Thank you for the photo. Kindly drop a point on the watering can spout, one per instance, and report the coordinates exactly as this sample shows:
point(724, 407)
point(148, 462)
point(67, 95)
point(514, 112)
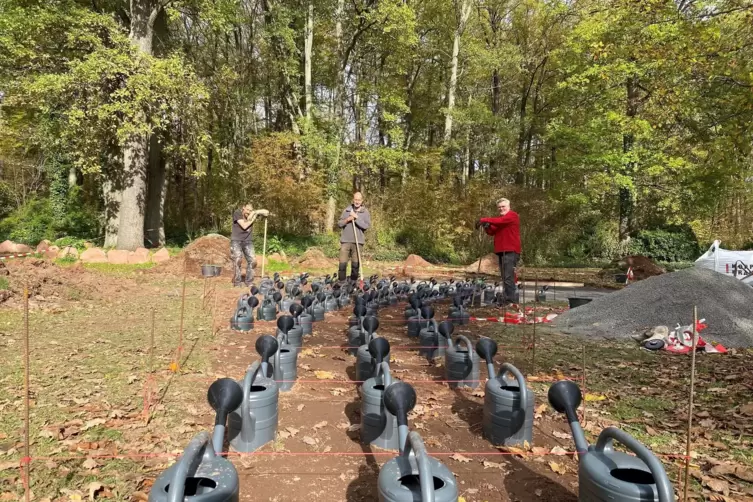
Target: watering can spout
point(565, 397)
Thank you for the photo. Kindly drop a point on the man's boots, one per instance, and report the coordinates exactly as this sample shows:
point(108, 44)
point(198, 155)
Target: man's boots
point(354, 267)
point(342, 267)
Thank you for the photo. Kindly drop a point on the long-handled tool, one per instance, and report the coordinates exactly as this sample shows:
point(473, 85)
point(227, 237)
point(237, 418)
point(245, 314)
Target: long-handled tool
point(358, 253)
point(264, 248)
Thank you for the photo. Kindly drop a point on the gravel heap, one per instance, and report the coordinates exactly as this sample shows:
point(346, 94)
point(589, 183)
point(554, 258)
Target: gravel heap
point(726, 304)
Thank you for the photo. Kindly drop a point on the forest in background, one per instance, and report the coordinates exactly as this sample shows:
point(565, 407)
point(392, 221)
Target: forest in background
point(614, 126)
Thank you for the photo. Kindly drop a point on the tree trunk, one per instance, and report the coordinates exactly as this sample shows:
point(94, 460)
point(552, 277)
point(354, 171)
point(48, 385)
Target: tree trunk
point(156, 193)
point(465, 10)
point(626, 198)
point(135, 152)
point(112, 197)
point(308, 52)
point(338, 105)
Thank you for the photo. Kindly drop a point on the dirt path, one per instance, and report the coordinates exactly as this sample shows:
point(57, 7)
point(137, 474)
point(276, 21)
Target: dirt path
point(318, 455)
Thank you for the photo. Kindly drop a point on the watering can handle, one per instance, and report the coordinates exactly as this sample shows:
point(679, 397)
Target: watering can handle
point(509, 368)
point(663, 485)
point(278, 368)
point(465, 340)
point(384, 369)
point(248, 381)
point(191, 453)
point(425, 474)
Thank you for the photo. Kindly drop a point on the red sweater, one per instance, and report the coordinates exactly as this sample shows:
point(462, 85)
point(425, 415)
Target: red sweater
point(506, 232)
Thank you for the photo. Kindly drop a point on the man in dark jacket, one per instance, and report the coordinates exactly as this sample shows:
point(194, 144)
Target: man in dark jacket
point(241, 243)
point(506, 231)
point(354, 213)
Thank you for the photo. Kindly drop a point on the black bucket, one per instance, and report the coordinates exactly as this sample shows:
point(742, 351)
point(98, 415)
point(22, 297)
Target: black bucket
point(620, 278)
point(577, 302)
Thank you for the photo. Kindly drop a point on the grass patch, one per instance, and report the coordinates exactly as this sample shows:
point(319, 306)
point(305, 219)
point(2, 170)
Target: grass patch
point(629, 408)
point(118, 270)
point(276, 266)
point(4, 283)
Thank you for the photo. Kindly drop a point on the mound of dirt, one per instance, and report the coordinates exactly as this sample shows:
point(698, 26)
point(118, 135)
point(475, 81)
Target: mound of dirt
point(489, 265)
point(415, 261)
point(314, 258)
point(212, 249)
point(666, 300)
point(50, 285)
point(642, 266)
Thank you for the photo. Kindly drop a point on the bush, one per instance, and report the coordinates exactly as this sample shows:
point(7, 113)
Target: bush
point(37, 220)
point(668, 244)
point(30, 223)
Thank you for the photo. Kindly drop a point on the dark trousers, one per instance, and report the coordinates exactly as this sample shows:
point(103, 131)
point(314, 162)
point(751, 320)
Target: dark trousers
point(348, 252)
point(508, 260)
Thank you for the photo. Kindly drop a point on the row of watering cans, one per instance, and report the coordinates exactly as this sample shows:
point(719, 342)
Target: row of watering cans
point(201, 474)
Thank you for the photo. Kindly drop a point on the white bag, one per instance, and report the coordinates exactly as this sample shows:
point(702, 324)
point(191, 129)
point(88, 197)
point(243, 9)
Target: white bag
point(738, 264)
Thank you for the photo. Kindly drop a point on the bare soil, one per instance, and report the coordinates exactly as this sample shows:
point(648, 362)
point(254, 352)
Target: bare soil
point(321, 411)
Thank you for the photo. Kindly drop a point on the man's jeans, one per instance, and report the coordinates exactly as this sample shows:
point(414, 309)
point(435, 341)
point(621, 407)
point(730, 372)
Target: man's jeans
point(508, 260)
point(348, 252)
point(239, 249)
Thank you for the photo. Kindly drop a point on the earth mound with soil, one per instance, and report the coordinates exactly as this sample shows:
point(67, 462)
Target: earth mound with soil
point(726, 304)
point(49, 284)
point(642, 266)
point(212, 249)
point(314, 258)
point(415, 261)
point(489, 265)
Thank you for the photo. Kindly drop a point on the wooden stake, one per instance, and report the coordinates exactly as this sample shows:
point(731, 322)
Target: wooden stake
point(151, 346)
point(690, 404)
point(264, 250)
point(182, 310)
point(214, 312)
point(533, 348)
point(585, 393)
point(27, 421)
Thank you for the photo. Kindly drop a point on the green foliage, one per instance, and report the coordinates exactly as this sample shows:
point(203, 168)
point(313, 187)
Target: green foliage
point(671, 244)
point(29, 224)
point(4, 285)
point(77, 243)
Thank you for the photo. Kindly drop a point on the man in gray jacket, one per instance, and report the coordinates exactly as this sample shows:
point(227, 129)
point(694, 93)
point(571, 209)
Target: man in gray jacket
point(359, 215)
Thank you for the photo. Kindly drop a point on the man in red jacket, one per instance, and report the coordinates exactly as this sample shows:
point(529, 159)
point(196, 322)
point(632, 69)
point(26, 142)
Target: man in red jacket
point(506, 231)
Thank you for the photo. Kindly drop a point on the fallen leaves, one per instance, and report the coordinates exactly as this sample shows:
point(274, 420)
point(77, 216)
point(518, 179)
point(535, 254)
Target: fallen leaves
point(747, 409)
point(558, 468)
point(90, 464)
point(594, 397)
point(320, 425)
point(460, 458)
point(309, 440)
point(324, 375)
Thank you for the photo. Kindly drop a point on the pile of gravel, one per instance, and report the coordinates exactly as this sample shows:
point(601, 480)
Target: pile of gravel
point(726, 304)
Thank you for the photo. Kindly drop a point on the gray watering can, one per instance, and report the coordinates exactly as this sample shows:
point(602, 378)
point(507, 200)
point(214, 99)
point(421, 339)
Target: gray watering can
point(419, 321)
point(307, 323)
point(365, 360)
point(243, 319)
point(413, 475)
point(268, 309)
point(200, 474)
point(254, 422)
point(458, 315)
point(293, 334)
point(414, 304)
point(356, 333)
point(461, 361)
point(378, 426)
point(428, 336)
point(508, 407)
point(286, 358)
point(317, 308)
point(605, 474)
point(302, 319)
